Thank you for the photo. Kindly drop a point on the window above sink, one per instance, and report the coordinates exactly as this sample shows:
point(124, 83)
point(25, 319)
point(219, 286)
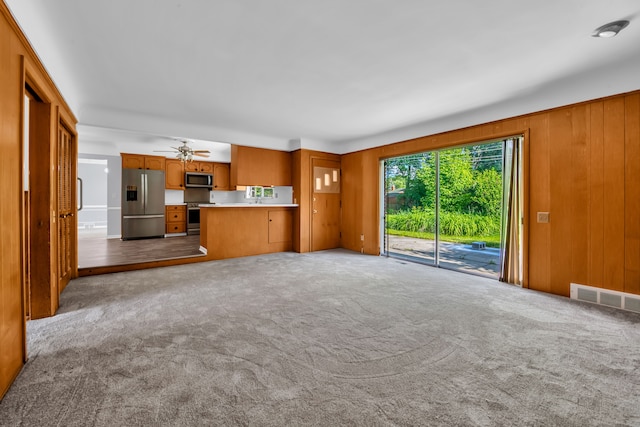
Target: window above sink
point(259, 192)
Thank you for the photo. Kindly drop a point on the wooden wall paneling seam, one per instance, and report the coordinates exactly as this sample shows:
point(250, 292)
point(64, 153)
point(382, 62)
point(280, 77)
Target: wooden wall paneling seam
point(579, 201)
point(632, 194)
point(352, 180)
point(539, 201)
point(561, 135)
point(596, 196)
point(614, 194)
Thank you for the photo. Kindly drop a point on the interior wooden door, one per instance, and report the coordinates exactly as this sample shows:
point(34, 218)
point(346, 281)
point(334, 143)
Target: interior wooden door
point(326, 205)
point(66, 208)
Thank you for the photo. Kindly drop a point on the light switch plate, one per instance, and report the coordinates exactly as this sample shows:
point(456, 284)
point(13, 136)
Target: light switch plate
point(543, 217)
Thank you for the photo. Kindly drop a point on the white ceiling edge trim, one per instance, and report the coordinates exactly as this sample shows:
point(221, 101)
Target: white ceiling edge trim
point(561, 93)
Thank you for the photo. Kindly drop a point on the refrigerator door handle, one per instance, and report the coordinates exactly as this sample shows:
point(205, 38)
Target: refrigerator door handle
point(80, 194)
point(142, 216)
point(144, 192)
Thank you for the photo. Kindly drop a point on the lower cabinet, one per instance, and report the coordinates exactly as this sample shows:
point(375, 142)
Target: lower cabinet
point(280, 226)
point(176, 219)
point(230, 232)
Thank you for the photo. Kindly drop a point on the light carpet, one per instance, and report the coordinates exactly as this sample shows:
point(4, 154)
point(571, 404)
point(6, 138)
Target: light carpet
point(327, 338)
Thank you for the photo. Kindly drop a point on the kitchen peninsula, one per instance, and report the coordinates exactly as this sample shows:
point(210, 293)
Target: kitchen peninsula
point(232, 230)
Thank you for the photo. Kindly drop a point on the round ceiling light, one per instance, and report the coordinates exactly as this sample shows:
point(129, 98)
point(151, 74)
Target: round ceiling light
point(610, 29)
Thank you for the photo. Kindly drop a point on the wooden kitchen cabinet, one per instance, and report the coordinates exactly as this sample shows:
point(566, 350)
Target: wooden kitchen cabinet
point(259, 166)
point(174, 174)
point(280, 226)
point(221, 176)
point(176, 219)
point(196, 166)
point(228, 231)
point(141, 161)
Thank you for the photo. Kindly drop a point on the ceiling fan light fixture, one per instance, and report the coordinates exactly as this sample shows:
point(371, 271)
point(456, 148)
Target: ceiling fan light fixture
point(184, 153)
point(610, 30)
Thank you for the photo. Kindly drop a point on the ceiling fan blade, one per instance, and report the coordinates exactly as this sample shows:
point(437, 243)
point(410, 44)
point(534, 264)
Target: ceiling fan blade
point(200, 154)
point(163, 151)
point(201, 151)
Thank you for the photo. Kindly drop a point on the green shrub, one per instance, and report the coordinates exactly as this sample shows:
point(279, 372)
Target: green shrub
point(451, 223)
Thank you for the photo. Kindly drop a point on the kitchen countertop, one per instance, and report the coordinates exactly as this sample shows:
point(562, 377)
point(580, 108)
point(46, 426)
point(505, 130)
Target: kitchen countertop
point(248, 205)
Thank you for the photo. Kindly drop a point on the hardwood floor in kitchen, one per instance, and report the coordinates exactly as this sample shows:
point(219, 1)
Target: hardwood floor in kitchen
point(102, 252)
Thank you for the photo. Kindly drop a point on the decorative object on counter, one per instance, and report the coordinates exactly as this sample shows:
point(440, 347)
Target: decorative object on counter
point(185, 152)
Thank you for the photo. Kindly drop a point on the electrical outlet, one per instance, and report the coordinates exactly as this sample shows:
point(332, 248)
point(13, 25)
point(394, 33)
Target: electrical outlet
point(362, 237)
point(543, 217)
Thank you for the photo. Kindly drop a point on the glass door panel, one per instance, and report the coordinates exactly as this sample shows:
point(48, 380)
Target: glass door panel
point(470, 195)
point(410, 215)
point(445, 207)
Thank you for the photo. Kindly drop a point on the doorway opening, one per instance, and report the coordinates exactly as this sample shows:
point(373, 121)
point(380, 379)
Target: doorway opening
point(92, 205)
point(457, 208)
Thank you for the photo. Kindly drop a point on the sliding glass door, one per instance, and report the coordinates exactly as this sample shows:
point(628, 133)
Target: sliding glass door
point(450, 208)
point(410, 215)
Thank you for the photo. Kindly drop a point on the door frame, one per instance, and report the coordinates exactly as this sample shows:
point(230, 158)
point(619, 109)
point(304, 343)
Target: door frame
point(324, 162)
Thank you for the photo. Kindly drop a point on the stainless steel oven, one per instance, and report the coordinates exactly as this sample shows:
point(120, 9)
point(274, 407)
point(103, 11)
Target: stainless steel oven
point(193, 218)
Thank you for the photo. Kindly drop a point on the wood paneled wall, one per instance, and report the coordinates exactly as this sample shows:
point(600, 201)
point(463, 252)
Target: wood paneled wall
point(584, 169)
point(18, 65)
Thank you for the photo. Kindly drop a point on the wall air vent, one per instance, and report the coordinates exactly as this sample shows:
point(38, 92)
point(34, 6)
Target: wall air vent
point(609, 298)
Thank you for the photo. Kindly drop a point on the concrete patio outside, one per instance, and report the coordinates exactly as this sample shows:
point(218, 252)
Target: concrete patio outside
point(456, 256)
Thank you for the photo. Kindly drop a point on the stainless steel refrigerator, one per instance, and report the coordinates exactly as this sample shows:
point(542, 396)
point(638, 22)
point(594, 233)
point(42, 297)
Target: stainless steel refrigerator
point(142, 203)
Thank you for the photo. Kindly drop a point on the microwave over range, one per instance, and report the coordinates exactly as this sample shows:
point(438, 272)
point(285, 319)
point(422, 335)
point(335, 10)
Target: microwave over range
point(198, 180)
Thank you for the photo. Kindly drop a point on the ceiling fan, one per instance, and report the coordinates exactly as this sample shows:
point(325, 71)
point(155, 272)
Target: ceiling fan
point(186, 153)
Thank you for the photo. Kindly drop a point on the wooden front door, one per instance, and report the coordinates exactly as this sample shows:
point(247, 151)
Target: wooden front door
point(66, 208)
point(326, 205)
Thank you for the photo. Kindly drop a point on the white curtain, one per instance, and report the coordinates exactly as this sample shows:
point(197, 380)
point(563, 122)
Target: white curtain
point(511, 259)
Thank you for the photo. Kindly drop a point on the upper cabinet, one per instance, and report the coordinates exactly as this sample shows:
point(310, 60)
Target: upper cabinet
point(259, 166)
point(175, 169)
point(140, 161)
point(221, 176)
point(196, 166)
point(174, 174)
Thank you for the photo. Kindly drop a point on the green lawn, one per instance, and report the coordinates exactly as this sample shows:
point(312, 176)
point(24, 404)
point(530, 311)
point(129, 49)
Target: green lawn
point(491, 241)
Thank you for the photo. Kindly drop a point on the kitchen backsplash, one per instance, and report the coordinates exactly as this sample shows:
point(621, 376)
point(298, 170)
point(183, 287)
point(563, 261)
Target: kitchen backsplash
point(283, 194)
point(173, 197)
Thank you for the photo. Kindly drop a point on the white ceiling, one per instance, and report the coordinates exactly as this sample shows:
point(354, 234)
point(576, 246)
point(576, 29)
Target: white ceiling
point(335, 75)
